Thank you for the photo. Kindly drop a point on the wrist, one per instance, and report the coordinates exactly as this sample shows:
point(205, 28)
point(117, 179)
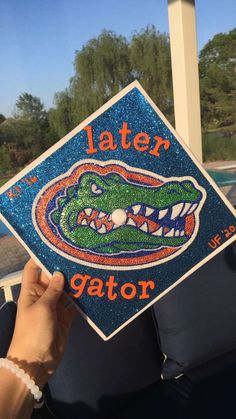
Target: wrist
point(34, 368)
point(23, 377)
point(15, 397)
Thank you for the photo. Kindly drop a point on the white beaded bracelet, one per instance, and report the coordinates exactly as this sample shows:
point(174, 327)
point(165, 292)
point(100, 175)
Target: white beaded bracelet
point(24, 377)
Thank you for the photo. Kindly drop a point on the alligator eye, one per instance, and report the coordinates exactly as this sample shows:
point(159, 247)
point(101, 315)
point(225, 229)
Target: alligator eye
point(96, 189)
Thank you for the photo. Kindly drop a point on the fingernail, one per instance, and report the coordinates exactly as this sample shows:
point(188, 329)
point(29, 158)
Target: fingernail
point(57, 275)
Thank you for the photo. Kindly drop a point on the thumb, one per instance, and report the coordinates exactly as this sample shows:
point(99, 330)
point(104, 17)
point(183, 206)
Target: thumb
point(54, 289)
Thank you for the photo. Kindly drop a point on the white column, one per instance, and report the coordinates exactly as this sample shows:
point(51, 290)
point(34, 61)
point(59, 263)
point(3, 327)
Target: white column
point(8, 293)
point(184, 59)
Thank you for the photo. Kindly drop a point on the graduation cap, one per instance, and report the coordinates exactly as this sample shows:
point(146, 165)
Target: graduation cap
point(122, 208)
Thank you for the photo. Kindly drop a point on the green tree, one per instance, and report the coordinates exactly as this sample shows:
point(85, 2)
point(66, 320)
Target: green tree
point(14, 131)
point(31, 112)
point(5, 160)
point(151, 65)
point(107, 64)
point(61, 117)
point(30, 107)
point(217, 68)
point(2, 118)
point(16, 141)
point(102, 68)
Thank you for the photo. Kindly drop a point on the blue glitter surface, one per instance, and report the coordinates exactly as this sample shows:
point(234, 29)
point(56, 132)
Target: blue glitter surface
point(214, 216)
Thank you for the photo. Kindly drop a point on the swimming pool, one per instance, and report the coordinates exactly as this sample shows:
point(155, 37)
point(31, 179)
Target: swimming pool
point(222, 178)
point(4, 229)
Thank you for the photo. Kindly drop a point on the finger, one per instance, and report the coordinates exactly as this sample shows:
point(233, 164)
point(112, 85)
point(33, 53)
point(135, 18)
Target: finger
point(66, 316)
point(69, 305)
point(67, 311)
point(44, 280)
point(54, 289)
point(30, 275)
point(63, 300)
point(73, 312)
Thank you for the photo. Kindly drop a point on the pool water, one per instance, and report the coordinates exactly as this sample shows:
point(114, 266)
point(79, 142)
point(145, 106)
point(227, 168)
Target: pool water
point(222, 178)
point(4, 229)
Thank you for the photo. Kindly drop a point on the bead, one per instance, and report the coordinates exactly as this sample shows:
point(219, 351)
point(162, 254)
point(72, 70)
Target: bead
point(23, 376)
point(39, 395)
point(27, 381)
point(119, 216)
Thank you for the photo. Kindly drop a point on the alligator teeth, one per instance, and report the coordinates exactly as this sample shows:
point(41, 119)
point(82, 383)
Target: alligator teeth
point(84, 222)
point(162, 213)
point(109, 218)
point(144, 227)
point(136, 209)
point(158, 232)
point(176, 210)
point(102, 229)
point(131, 222)
point(88, 211)
point(177, 233)
point(170, 233)
point(185, 209)
point(182, 233)
point(149, 211)
point(101, 214)
point(192, 209)
point(92, 225)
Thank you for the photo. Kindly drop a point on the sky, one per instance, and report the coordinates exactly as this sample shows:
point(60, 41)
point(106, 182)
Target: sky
point(38, 38)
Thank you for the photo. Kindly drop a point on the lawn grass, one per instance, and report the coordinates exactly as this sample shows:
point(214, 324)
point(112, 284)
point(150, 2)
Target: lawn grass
point(218, 147)
point(5, 179)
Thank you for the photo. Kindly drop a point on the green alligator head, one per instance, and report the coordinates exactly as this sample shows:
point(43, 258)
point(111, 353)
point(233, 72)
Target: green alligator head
point(156, 216)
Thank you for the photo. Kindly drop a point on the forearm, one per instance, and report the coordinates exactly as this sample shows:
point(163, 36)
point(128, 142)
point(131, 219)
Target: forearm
point(16, 401)
point(41, 332)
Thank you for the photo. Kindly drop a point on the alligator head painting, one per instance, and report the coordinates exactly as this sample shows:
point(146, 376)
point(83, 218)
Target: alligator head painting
point(73, 213)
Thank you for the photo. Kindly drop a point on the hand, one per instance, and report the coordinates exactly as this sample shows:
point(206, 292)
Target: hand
point(44, 317)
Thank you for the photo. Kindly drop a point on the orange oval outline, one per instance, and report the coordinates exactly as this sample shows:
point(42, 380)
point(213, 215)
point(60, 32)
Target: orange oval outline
point(43, 201)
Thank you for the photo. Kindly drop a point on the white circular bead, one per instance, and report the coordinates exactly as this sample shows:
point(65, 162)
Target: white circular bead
point(39, 395)
point(23, 376)
point(119, 216)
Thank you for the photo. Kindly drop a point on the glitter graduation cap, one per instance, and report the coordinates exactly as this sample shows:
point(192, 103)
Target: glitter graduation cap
point(122, 208)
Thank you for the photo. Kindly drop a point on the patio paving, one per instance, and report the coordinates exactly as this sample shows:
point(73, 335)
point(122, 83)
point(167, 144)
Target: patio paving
point(231, 195)
point(12, 255)
point(219, 163)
